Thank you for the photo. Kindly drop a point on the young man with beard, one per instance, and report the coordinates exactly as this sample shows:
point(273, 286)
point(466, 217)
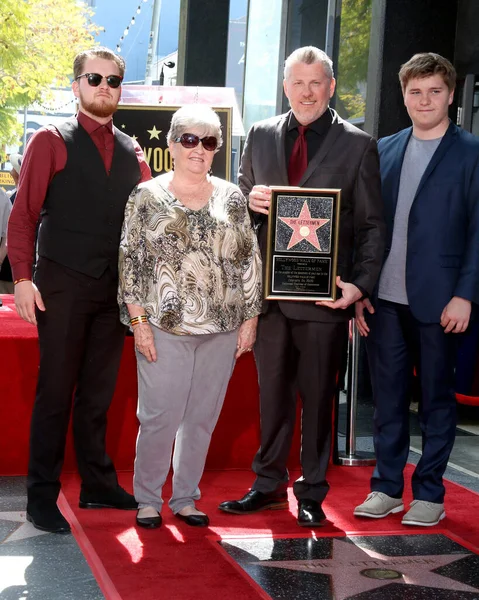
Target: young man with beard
point(75, 180)
point(428, 284)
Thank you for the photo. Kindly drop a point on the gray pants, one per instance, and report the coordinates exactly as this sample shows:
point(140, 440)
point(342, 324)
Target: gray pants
point(179, 400)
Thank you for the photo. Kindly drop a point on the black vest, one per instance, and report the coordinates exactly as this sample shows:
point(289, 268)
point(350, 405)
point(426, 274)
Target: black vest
point(82, 215)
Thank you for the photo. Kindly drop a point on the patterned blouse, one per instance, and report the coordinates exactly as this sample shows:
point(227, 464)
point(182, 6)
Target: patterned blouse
point(193, 271)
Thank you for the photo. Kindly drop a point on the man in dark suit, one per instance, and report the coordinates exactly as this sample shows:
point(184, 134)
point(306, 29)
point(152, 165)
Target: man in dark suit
point(76, 177)
point(299, 344)
point(430, 278)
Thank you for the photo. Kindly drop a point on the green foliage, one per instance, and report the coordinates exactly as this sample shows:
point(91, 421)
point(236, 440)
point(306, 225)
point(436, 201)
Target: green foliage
point(353, 56)
point(38, 41)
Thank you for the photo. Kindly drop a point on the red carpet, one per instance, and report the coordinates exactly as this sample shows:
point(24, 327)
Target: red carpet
point(181, 562)
point(234, 442)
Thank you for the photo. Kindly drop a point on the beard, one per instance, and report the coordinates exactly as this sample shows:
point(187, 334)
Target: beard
point(100, 107)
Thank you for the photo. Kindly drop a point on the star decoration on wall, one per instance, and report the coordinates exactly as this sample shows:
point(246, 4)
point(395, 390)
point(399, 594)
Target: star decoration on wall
point(154, 133)
point(304, 227)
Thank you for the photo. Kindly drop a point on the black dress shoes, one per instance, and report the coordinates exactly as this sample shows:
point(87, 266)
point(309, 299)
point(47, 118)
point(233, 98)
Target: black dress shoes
point(310, 513)
point(194, 520)
point(46, 516)
point(108, 498)
point(149, 522)
point(255, 501)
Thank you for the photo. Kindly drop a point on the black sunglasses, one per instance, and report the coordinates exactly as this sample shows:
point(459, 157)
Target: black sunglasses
point(94, 79)
point(190, 140)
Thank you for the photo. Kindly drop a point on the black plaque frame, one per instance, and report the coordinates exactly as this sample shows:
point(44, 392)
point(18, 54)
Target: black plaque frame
point(302, 252)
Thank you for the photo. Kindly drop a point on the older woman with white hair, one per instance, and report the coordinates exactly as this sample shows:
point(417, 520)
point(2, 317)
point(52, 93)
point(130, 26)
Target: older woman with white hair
point(190, 288)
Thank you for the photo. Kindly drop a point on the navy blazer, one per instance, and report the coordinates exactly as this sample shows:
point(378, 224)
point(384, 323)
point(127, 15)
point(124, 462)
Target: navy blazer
point(442, 257)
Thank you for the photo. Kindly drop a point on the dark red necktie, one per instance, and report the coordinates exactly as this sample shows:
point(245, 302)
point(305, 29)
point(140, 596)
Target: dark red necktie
point(299, 157)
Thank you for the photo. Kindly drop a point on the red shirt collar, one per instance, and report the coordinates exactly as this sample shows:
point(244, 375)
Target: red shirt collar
point(90, 125)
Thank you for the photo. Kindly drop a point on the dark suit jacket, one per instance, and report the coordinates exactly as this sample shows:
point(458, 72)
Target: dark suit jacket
point(347, 159)
point(442, 258)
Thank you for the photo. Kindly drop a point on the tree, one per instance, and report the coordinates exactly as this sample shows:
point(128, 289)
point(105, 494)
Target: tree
point(38, 41)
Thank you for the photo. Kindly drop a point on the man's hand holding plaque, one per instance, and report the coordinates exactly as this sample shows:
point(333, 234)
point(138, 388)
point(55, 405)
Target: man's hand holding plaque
point(259, 199)
point(350, 295)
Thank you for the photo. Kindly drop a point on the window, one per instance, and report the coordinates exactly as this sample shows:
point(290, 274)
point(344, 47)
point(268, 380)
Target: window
point(352, 67)
point(262, 60)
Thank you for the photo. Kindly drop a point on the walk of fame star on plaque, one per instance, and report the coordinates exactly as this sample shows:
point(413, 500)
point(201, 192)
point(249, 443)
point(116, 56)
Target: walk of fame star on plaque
point(385, 567)
point(304, 228)
point(302, 244)
point(304, 224)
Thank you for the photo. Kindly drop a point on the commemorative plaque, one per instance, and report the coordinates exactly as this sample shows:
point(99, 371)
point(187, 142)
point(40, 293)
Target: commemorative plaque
point(302, 250)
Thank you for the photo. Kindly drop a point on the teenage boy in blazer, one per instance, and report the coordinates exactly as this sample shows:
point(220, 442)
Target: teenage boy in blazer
point(428, 284)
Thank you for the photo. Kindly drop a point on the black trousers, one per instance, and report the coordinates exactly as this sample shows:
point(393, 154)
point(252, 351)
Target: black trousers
point(81, 342)
point(296, 356)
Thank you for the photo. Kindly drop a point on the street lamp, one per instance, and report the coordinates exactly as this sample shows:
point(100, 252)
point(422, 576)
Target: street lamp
point(170, 64)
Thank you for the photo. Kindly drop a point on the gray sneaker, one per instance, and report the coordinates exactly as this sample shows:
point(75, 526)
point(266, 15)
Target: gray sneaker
point(424, 513)
point(378, 505)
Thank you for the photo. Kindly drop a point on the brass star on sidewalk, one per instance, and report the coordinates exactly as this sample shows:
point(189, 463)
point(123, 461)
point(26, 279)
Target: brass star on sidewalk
point(154, 133)
point(355, 569)
point(24, 529)
point(304, 227)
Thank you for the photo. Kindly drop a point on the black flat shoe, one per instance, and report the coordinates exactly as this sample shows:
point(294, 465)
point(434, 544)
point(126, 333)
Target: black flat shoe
point(194, 520)
point(148, 522)
point(115, 498)
point(310, 514)
point(255, 501)
point(47, 517)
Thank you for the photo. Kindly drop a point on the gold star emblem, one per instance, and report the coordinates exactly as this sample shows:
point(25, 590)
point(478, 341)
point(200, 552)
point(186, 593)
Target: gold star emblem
point(133, 137)
point(154, 133)
point(123, 126)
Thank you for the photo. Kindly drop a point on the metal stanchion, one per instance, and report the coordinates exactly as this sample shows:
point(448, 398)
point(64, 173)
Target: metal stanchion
point(353, 457)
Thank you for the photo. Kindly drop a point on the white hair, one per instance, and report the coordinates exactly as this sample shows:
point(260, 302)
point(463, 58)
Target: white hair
point(309, 55)
point(195, 116)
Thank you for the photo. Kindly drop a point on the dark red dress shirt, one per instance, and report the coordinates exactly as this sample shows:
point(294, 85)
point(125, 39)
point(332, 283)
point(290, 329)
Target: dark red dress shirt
point(44, 157)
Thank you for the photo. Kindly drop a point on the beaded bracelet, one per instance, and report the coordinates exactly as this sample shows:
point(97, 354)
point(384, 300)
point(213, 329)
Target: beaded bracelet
point(137, 320)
